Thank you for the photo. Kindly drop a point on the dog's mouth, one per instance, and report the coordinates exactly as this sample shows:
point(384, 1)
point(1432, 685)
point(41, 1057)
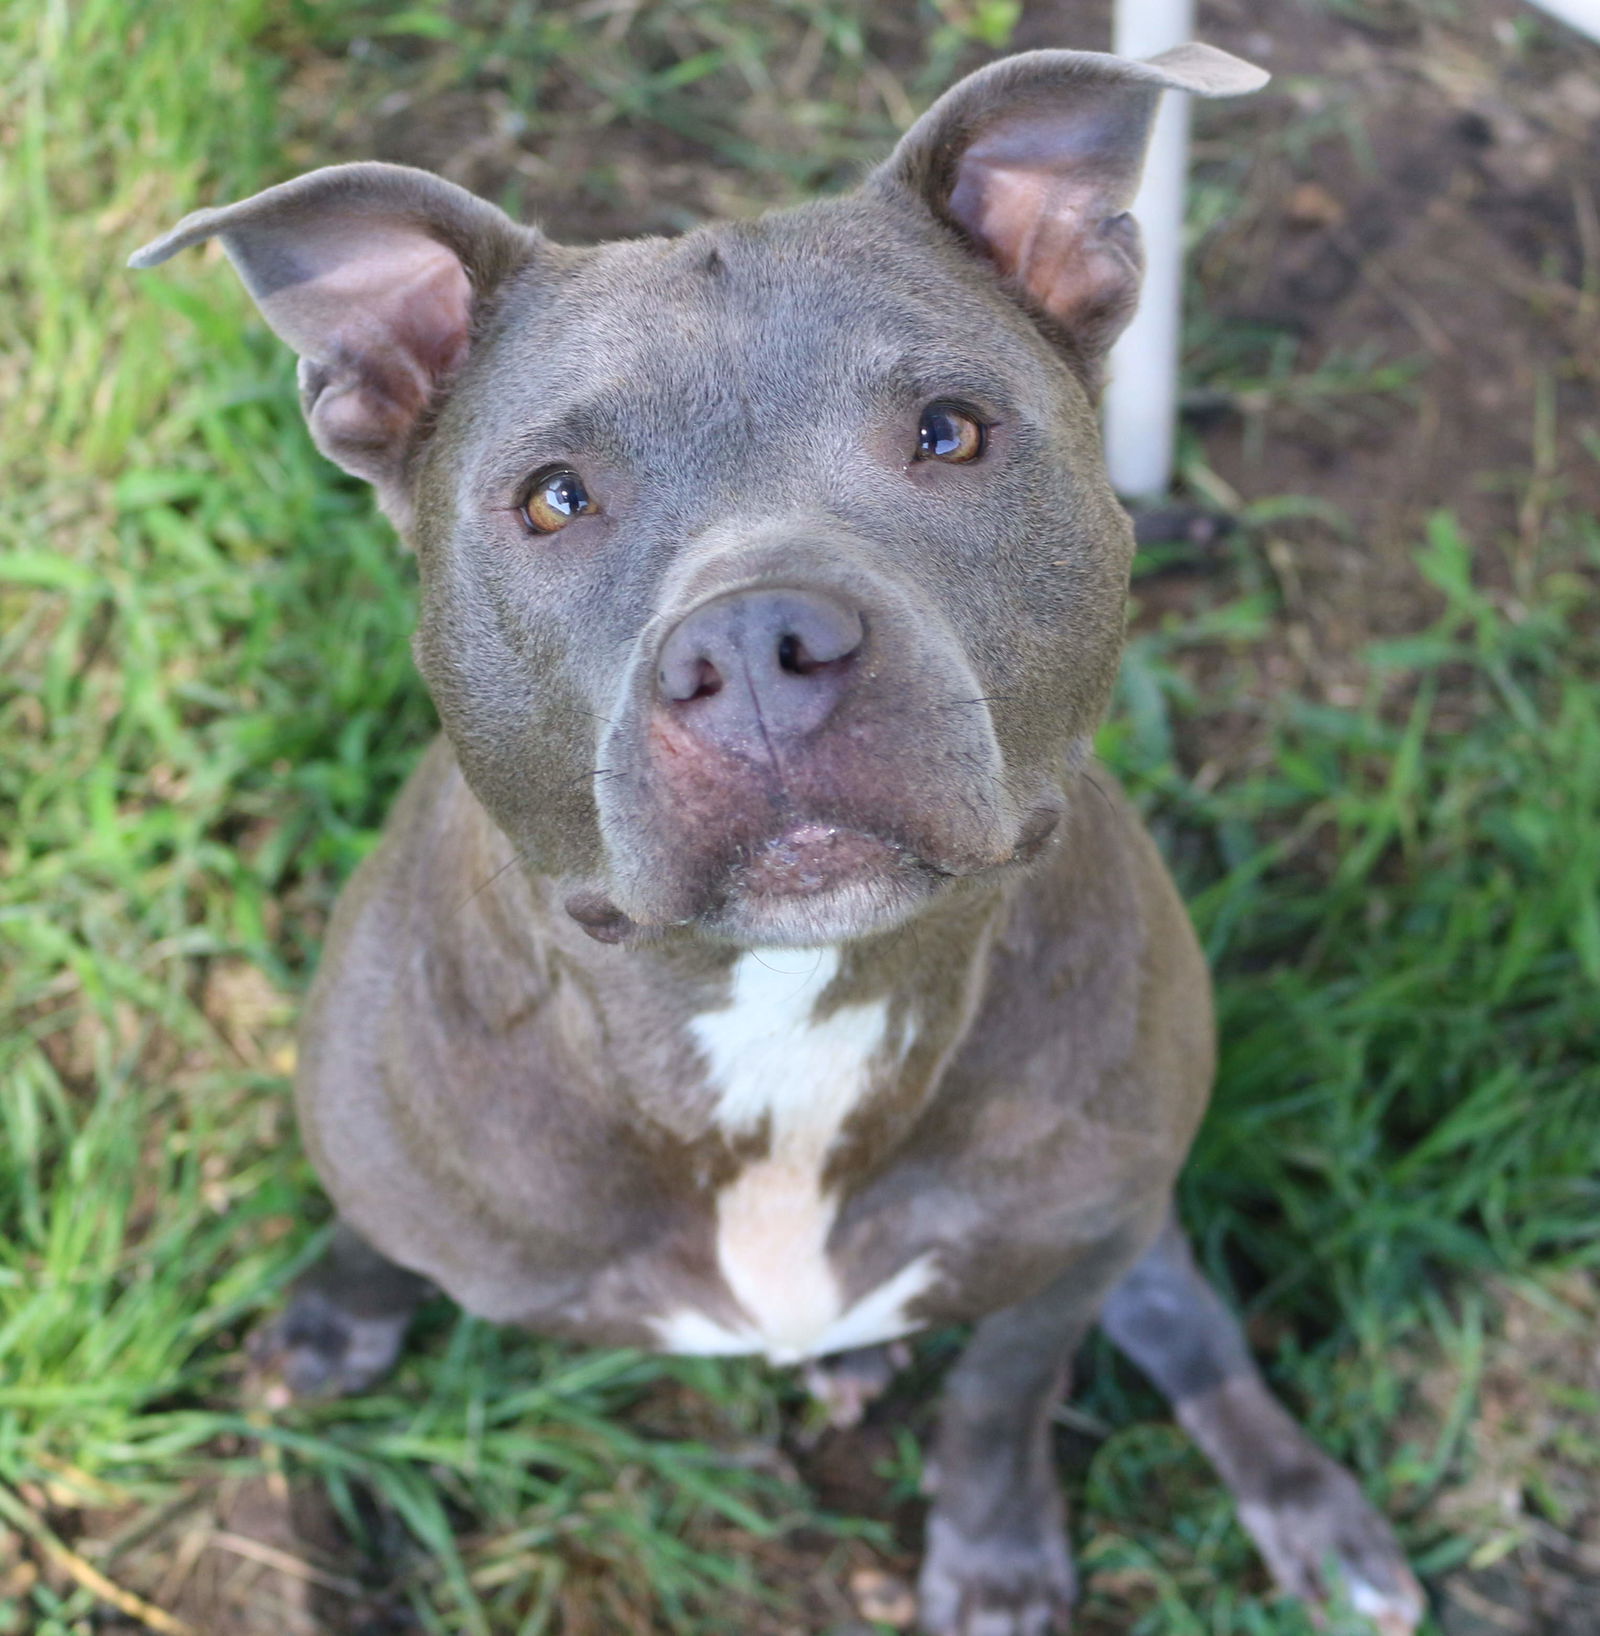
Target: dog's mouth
point(811, 857)
point(817, 882)
point(814, 882)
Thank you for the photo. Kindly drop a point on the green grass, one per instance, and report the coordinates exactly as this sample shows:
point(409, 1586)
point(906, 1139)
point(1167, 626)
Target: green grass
point(208, 703)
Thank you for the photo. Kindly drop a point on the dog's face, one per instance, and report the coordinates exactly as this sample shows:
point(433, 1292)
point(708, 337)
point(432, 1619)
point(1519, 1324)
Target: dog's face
point(771, 581)
point(776, 565)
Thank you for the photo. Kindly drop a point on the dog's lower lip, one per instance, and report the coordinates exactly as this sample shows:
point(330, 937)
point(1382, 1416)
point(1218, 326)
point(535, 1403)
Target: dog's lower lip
point(811, 857)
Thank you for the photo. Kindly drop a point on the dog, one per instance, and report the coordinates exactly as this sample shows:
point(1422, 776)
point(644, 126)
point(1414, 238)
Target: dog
point(753, 965)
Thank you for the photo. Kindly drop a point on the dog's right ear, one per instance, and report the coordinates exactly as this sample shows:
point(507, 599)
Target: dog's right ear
point(371, 273)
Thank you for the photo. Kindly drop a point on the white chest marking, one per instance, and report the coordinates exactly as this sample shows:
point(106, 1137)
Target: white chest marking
point(770, 1061)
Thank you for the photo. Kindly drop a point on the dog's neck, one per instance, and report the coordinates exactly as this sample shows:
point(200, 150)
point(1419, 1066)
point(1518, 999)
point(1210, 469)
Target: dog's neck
point(715, 1041)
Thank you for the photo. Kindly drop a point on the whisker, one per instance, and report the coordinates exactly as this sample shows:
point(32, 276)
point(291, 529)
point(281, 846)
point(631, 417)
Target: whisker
point(1094, 784)
point(483, 886)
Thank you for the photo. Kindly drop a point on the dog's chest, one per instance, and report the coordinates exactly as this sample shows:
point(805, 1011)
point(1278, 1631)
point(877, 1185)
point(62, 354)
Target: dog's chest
point(780, 1063)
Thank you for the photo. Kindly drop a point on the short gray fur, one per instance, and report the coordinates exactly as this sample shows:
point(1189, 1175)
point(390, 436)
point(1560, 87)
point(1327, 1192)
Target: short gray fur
point(500, 1082)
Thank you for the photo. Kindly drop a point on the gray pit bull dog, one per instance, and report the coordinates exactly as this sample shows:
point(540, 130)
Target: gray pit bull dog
point(753, 966)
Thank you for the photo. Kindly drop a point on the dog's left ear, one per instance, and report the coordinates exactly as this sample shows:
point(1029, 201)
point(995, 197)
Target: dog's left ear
point(1035, 160)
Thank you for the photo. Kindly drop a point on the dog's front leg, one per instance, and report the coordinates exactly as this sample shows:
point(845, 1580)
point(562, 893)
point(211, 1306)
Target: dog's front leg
point(997, 1561)
point(1305, 1512)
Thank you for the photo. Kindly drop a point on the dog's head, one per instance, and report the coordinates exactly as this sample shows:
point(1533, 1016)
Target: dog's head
point(771, 581)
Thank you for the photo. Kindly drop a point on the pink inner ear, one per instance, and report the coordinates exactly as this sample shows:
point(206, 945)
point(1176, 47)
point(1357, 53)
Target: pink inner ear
point(396, 314)
point(380, 316)
point(1045, 198)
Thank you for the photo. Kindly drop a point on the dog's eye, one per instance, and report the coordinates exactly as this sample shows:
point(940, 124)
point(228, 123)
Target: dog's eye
point(948, 433)
point(558, 498)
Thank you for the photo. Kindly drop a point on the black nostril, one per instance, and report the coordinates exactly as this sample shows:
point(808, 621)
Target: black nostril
point(707, 680)
point(796, 659)
point(685, 675)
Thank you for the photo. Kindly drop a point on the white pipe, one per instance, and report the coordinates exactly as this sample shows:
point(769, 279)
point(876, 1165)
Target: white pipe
point(1141, 401)
point(1583, 15)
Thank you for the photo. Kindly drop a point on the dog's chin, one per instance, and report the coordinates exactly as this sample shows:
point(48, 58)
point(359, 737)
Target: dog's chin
point(833, 914)
point(820, 883)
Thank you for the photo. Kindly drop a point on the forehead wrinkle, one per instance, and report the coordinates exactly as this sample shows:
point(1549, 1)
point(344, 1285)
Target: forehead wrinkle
point(583, 426)
point(625, 420)
point(919, 378)
point(812, 339)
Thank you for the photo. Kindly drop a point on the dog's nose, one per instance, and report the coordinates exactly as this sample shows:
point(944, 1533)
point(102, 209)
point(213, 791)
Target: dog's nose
point(759, 666)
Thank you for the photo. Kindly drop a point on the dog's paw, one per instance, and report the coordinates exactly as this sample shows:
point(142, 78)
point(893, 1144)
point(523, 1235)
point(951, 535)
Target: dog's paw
point(847, 1383)
point(315, 1349)
point(1322, 1540)
point(1001, 1585)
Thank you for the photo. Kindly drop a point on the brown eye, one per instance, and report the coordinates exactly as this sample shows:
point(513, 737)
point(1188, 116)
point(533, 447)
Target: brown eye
point(948, 433)
point(558, 498)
